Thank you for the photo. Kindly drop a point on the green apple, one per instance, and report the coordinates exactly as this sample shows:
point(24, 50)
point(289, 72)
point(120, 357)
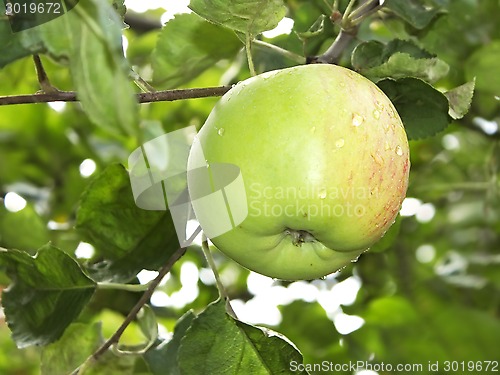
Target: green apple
point(324, 160)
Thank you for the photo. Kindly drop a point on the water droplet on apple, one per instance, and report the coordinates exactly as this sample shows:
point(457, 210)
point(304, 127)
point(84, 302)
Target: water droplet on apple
point(313, 129)
point(378, 158)
point(387, 146)
point(399, 150)
point(322, 193)
point(376, 114)
point(357, 120)
point(340, 143)
point(379, 105)
point(221, 131)
point(386, 127)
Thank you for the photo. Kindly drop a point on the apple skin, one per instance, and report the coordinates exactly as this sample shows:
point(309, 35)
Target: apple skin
point(325, 163)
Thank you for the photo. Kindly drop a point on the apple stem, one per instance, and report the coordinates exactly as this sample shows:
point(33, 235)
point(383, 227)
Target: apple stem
point(222, 290)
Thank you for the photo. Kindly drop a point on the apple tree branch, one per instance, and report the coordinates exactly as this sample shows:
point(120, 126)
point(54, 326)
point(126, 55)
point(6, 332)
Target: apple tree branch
point(145, 97)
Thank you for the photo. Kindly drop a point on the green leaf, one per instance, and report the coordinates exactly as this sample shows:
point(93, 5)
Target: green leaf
point(413, 11)
point(460, 99)
point(147, 322)
point(111, 364)
point(276, 352)
point(23, 230)
point(120, 8)
point(60, 49)
point(423, 109)
point(14, 361)
point(226, 346)
point(14, 46)
point(72, 349)
point(316, 29)
point(129, 237)
point(25, 16)
point(373, 53)
point(397, 59)
point(163, 358)
point(368, 55)
point(246, 16)
point(99, 70)
point(402, 65)
point(77, 344)
point(48, 292)
point(405, 46)
point(483, 66)
point(187, 46)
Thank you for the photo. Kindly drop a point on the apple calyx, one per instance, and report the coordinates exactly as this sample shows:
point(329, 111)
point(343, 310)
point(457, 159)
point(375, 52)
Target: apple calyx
point(300, 236)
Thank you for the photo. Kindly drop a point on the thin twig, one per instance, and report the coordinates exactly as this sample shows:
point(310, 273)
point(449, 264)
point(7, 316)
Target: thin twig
point(288, 54)
point(162, 272)
point(347, 33)
point(141, 82)
point(146, 97)
point(333, 53)
point(180, 94)
point(43, 79)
